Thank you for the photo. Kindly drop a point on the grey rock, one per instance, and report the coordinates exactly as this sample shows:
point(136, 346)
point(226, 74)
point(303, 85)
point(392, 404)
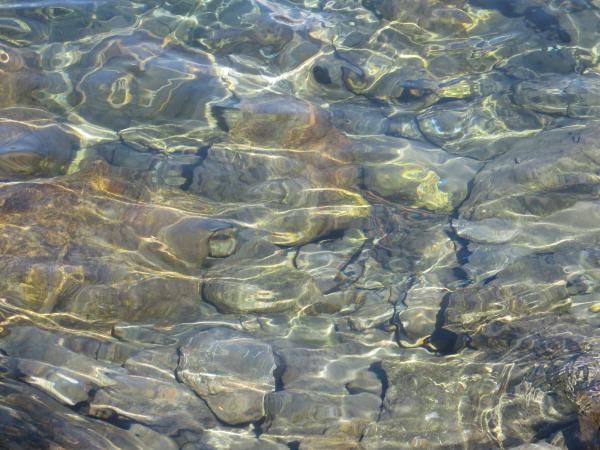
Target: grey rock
point(304, 413)
point(259, 288)
point(434, 403)
point(312, 331)
point(64, 374)
point(112, 96)
point(232, 375)
point(576, 96)
point(159, 363)
point(482, 129)
point(165, 406)
point(417, 174)
point(326, 261)
point(536, 446)
point(33, 145)
point(31, 419)
point(224, 439)
point(193, 239)
point(534, 176)
point(328, 371)
point(372, 309)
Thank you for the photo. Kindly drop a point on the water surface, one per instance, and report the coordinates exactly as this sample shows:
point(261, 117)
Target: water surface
point(259, 224)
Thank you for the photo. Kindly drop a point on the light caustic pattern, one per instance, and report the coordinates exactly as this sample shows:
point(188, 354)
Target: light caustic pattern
point(273, 224)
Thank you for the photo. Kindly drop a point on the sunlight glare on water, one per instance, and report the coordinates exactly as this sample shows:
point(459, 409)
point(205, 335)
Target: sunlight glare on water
point(300, 224)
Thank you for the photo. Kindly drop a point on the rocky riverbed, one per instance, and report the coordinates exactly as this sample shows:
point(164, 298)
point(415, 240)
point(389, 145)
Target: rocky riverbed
point(297, 224)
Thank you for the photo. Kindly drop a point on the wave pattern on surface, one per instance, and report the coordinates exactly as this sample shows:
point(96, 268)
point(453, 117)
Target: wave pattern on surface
point(260, 224)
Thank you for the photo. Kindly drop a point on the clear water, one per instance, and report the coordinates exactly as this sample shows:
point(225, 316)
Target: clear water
point(258, 224)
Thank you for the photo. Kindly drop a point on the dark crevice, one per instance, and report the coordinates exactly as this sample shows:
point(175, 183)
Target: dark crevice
point(278, 372)
point(332, 290)
point(108, 415)
point(81, 407)
point(176, 371)
point(362, 436)
point(219, 113)
point(488, 280)
point(446, 100)
point(257, 427)
point(546, 430)
point(295, 257)
point(395, 319)
point(187, 171)
point(203, 296)
point(570, 432)
point(462, 248)
point(118, 421)
point(377, 369)
point(445, 342)
point(462, 256)
point(331, 236)
point(294, 445)
point(360, 179)
point(462, 253)
point(353, 258)
point(321, 75)
point(440, 319)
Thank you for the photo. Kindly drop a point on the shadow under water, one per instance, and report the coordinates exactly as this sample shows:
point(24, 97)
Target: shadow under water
point(296, 224)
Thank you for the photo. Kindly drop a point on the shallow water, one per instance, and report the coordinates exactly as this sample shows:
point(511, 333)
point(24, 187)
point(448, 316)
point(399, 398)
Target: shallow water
point(257, 224)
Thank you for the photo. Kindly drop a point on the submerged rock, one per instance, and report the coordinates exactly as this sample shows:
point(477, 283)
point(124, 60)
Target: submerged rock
point(559, 357)
point(418, 412)
point(328, 369)
point(159, 363)
point(295, 201)
point(535, 283)
point(27, 24)
point(21, 78)
point(576, 96)
point(523, 317)
point(287, 123)
point(536, 14)
point(482, 129)
point(417, 174)
point(327, 262)
point(162, 405)
point(537, 176)
point(129, 79)
point(271, 176)
point(265, 287)
point(300, 414)
point(31, 419)
point(521, 204)
point(232, 375)
point(33, 145)
point(485, 408)
point(66, 262)
point(226, 439)
point(42, 361)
